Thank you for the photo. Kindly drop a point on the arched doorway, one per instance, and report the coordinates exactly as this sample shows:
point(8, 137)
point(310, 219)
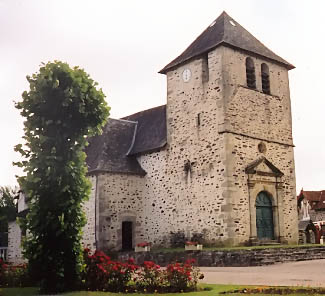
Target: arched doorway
point(127, 231)
point(264, 216)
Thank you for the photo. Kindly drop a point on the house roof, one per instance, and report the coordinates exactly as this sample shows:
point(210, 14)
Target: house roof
point(115, 149)
point(225, 31)
point(315, 198)
point(107, 152)
point(151, 130)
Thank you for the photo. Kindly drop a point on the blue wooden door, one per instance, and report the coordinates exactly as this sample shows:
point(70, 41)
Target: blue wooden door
point(264, 216)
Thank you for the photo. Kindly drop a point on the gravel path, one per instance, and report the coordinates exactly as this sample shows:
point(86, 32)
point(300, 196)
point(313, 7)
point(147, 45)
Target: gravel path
point(302, 273)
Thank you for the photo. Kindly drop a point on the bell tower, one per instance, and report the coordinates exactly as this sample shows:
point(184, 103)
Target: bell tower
point(229, 138)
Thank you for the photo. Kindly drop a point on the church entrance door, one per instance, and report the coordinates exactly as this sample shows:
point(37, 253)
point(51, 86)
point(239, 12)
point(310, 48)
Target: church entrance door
point(127, 235)
point(264, 216)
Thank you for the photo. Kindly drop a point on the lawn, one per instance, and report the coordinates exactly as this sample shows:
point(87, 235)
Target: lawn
point(210, 290)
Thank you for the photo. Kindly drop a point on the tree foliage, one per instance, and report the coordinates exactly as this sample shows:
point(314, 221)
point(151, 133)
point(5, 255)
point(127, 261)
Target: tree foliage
point(62, 108)
point(7, 211)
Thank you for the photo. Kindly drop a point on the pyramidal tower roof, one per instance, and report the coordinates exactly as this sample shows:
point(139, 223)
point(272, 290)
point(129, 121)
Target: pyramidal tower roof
point(225, 31)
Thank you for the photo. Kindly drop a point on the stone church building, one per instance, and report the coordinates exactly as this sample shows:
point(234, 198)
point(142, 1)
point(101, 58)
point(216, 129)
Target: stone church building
point(216, 161)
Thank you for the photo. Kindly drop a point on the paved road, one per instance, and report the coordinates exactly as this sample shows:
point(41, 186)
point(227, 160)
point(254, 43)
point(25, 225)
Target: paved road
point(303, 273)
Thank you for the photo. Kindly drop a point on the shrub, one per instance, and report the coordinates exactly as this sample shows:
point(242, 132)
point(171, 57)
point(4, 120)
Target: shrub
point(183, 276)
point(102, 273)
point(198, 237)
point(3, 268)
point(177, 239)
point(151, 277)
point(14, 275)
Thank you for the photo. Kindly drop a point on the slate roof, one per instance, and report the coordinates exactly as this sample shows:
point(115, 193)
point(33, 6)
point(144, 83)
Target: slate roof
point(225, 31)
point(122, 139)
point(316, 199)
point(107, 152)
point(151, 130)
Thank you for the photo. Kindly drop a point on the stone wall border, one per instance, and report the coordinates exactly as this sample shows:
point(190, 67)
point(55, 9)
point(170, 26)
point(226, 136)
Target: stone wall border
point(230, 258)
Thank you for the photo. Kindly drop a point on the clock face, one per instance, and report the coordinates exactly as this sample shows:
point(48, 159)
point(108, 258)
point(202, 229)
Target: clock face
point(186, 75)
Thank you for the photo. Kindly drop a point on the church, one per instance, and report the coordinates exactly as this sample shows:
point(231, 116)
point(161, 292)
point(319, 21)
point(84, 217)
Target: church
point(215, 162)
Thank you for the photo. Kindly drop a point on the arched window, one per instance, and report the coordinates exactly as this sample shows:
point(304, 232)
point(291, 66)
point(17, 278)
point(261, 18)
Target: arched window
point(265, 78)
point(250, 73)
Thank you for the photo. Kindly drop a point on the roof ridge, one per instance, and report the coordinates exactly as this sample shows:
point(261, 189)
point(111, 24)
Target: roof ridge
point(123, 120)
point(137, 113)
point(133, 139)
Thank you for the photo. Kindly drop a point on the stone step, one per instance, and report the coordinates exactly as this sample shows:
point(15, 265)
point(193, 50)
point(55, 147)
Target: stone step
point(266, 243)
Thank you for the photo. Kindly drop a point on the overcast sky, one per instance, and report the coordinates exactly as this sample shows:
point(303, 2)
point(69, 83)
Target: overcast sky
point(123, 44)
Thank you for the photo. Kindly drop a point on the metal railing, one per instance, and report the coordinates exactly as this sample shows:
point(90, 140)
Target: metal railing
point(3, 253)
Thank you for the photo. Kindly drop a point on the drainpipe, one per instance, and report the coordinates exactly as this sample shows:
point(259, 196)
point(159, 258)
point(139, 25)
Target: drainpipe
point(277, 201)
point(249, 207)
point(96, 216)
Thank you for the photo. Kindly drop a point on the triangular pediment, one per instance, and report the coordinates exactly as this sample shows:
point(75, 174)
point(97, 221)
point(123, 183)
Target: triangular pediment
point(262, 166)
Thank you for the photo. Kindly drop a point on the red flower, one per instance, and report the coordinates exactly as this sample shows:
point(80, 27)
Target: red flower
point(131, 261)
point(190, 261)
point(189, 243)
point(144, 244)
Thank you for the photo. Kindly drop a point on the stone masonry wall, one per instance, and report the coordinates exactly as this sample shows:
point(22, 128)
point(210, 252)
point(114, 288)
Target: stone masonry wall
point(251, 112)
point(120, 198)
point(14, 254)
point(281, 156)
point(231, 258)
point(196, 151)
point(317, 215)
point(252, 117)
point(89, 207)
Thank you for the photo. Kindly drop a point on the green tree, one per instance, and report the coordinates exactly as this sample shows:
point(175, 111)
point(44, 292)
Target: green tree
point(7, 211)
point(62, 108)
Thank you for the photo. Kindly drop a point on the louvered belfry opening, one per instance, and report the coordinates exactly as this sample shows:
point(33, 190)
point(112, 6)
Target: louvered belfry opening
point(265, 78)
point(250, 73)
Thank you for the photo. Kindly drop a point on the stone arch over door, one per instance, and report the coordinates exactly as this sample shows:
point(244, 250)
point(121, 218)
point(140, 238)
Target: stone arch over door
point(263, 176)
point(264, 216)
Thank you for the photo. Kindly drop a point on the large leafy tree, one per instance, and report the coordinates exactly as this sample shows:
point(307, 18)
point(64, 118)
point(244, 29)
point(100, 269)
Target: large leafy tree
point(62, 108)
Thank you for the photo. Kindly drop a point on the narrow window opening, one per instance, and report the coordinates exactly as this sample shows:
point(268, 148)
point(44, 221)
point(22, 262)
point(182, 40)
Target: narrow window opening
point(265, 78)
point(198, 119)
point(250, 73)
point(205, 68)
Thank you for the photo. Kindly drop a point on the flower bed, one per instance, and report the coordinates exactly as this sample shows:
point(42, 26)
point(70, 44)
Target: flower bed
point(14, 275)
point(143, 247)
point(193, 246)
point(103, 274)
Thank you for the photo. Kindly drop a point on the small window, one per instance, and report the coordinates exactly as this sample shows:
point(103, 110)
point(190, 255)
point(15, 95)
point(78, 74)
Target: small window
point(250, 73)
point(265, 78)
point(198, 120)
point(205, 68)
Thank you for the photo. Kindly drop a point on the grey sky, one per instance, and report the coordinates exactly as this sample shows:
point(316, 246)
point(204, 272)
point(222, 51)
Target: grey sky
point(123, 44)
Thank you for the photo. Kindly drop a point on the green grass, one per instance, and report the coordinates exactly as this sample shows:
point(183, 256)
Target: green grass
point(18, 291)
point(210, 290)
point(171, 250)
